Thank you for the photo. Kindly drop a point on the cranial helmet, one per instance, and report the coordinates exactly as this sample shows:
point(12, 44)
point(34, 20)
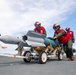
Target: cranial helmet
point(55, 26)
point(37, 23)
point(67, 28)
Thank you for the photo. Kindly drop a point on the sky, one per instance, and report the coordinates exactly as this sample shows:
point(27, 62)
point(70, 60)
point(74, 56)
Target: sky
point(19, 16)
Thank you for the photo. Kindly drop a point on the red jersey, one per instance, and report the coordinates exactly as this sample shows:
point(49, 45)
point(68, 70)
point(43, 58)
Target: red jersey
point(71, 35)
point(41, 30)
point(63, 38)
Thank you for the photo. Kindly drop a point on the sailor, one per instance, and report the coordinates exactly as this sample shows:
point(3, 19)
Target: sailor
point(70, 34)
point(40, 29)
point(20, 49)
point(64, 39)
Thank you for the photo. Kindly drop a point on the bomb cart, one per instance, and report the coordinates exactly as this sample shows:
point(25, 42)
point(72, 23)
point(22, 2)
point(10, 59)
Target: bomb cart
point(42, 48)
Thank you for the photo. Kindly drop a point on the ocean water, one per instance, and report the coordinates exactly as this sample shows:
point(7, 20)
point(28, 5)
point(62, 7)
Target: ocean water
point(16, 52)
point(11, 49)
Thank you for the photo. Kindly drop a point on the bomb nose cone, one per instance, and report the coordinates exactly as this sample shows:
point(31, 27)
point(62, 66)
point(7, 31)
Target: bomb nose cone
point(25, 38)
point(10, 39)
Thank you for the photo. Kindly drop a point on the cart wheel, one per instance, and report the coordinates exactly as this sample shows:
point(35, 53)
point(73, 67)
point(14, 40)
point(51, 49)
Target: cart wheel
point(27, 54)
point(60, 56)
point(42, 57)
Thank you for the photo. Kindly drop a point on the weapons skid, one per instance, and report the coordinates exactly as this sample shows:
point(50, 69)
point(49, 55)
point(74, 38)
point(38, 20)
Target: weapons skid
point(41, 47)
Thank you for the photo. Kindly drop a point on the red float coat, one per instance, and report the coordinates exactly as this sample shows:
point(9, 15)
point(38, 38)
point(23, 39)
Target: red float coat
point(71, 35)
point(63, 38)
point(41, 30)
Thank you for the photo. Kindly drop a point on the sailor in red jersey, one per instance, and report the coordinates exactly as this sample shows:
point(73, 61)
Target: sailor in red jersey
point(64, 39)
point(60, 34)
point(40, 29)
point(70, 34)
point(71, 38)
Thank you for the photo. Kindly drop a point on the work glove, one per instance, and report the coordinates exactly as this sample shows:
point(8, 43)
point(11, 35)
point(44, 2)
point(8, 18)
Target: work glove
point(54, 37)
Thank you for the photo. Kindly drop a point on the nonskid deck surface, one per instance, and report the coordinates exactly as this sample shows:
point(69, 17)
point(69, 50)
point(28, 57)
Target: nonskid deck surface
point(16, 66)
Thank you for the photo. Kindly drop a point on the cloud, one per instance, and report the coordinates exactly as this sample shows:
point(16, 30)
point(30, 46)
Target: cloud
point(74, 47)
point(20, 15)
